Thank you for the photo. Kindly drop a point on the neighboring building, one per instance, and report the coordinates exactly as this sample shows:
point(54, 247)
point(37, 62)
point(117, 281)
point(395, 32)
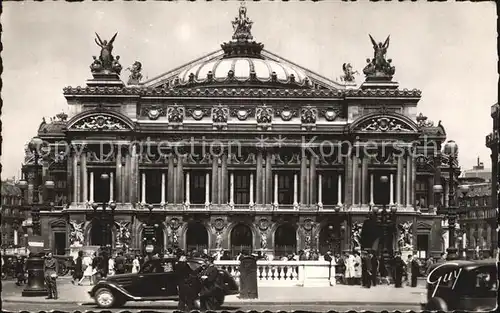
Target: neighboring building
point(13, 217)
point(478, 171)
point(478, 219)
point(492, 142)
point(271, 195)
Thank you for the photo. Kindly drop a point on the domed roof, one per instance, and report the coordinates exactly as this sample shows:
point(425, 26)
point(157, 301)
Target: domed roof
point(242, 69)
point(242, 63)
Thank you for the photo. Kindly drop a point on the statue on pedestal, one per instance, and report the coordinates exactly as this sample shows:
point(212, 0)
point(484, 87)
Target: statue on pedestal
point(349, 73)
point(379, 65)
point(135, 73)
point(106, 61)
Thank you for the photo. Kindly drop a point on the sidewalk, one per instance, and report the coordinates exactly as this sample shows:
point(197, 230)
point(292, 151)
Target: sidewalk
point(339, 294)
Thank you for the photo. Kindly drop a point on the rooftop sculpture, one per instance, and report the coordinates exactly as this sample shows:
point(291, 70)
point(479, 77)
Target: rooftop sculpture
point(379, 66)
point(106, 63)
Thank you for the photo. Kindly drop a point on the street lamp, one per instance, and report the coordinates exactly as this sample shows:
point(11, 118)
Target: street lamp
point(106, 219)
point(450, 154)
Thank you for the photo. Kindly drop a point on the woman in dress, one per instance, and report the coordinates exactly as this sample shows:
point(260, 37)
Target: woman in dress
point(136, 265)
point(87, 269)
point(111, 267)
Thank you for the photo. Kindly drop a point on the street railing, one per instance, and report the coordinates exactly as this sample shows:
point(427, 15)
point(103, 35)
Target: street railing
point(286, 273)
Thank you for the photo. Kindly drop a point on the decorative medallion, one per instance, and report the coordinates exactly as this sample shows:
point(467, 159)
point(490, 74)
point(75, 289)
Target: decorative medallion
point(308, 115)
point(308, 224)
point(330, 114)
point(286, 113)
point(264, 115)
point(153, 112)
point(175, 114)
point(198, 113)
point(175, 223)
point(263, 224)
point(242, 113)
point(384, 124)
point(100, 122)
point(219, 224)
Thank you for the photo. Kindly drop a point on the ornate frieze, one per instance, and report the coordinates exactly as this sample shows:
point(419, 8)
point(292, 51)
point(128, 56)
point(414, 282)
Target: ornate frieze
point(242, 113)
point(330, 114)
point(286, 113)
point(100, 122)
point(384, 124)
point(76, 237)
point(308, 115)
point(264, 116)
point(250, 159)
point(198, 112)
point(175, 114)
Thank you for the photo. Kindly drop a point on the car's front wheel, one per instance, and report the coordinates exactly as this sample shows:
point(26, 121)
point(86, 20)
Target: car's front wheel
point(105, 298)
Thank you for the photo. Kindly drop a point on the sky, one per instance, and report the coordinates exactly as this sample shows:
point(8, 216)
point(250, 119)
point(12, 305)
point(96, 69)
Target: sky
point(447, 50)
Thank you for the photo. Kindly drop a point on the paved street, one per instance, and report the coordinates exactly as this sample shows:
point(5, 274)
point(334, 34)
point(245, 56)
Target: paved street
point(339, 297)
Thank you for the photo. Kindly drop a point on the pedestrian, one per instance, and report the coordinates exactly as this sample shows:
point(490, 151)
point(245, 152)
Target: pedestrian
point(96, 263)
point(136, 264)
point(384, 273)
point(366, 270)
point(209, 286)
point(188, 285)
point(349, 270)
point(78, 271)
point(104, 265)
point(415, 270)
point(87, 269)
point(120, 263)
point(51, 268)
point(399, 268)
point(20, 274)
point(375, 269)
point(111, 267)
point(357, 268)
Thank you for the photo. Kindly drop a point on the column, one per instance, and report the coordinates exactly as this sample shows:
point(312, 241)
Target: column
point(83, 168)
point(364, 179)
point(119, 175)
point(111, 186)
point(180, 179)
point(354, 179)
point(215, 176)
point(430, 192)
point(163, 179)
point(170, 179)
point(126, 181)
point(371, 189)
point(296, 189)
point(207, 189)
point(231, 189)
point(413, 180)
point(188, 189)
point(269, 179)
point(251, 190)
point(312, 181)
point(134, 175)
point(399, 180)
point(143, 188)
point(488, 237)
point(339, 190)
point(259, 186)
point(391, 191)
point(275, 189)
point(348, 181)
point(15, 237)
point(320, 190)
point(92, 188)
point(446, 190)
point(224, 181)
point(303, 179)
point(403, 186)
point(408, 180)
point(76, 194)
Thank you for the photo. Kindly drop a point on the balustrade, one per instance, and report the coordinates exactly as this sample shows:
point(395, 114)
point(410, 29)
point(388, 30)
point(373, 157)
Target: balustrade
point(286, 273)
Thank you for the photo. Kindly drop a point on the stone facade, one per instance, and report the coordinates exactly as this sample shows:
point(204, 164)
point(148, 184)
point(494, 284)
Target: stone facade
point(242, 150)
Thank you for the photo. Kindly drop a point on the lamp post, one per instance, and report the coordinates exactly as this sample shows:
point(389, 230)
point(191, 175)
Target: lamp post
point(106, 219)
point(449, 155)
point(34, 263)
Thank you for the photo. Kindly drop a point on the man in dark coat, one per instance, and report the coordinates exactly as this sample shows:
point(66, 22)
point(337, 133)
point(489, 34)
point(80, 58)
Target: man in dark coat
point(188, 285)
point(366, 270)
point(415, 270)
point(375, 267)
point(50, 269)
point(20, 272)
point(78, 271)
point(399, 269)
point(120, 263)
point(209, 286)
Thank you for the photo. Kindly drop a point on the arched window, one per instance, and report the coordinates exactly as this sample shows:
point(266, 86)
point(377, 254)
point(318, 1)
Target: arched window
point(196, 237)
point(100, 233)
point(285, 240)
point(241, 239)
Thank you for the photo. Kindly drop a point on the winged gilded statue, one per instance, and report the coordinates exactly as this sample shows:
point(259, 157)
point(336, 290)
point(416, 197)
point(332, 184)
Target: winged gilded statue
point(106, 56)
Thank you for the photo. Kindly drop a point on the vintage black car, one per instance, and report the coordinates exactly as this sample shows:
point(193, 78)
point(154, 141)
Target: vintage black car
point(462, 285)
point(155, 281)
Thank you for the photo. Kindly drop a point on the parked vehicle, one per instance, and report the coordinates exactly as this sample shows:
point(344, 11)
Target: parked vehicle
point(462, 285)
point(155, 281)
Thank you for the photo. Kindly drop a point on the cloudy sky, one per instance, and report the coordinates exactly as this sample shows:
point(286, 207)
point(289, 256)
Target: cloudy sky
point(447, 50)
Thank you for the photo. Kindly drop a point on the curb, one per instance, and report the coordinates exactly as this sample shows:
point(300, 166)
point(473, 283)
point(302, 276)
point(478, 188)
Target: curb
point(235, 303)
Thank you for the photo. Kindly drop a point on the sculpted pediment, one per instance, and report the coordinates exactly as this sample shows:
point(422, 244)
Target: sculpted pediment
point(101, 122)
point(384, 123)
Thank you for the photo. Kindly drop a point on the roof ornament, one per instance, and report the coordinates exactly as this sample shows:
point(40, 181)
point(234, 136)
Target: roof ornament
point(242, 25)
point(135, 73)
point(349, 73)
point(379, 66)
point(106, 61)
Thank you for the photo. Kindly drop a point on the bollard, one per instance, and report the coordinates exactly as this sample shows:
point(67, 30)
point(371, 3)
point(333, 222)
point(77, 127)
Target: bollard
point(248, 278)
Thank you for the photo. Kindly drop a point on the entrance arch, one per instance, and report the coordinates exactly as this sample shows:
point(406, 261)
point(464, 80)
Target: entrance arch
point(158, 240)
point(329, 239)
point(196, 237)
point(241, 239)
point(98, 236)
point(285, 240)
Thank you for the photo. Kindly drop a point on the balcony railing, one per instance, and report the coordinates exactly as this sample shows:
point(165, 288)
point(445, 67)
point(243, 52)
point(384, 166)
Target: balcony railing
point(286, 273)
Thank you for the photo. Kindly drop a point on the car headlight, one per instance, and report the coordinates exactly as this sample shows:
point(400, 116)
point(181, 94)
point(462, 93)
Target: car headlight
point(423, 298)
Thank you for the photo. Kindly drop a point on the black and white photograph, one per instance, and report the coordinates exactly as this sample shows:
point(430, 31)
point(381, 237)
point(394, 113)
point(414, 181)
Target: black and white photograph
point(178, 156)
